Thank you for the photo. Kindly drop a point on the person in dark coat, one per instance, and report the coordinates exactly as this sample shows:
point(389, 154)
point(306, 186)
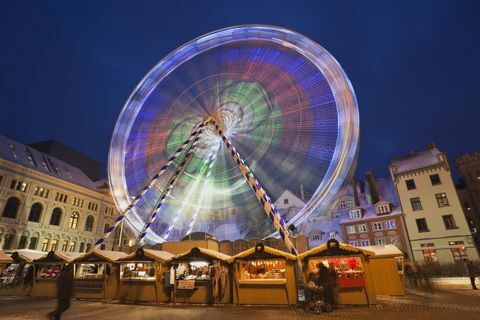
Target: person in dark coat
point(325, 281)
point(64, 291)
point(471, 273)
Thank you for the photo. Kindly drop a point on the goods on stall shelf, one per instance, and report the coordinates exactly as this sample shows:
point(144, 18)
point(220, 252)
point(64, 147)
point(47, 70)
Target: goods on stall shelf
point(89, 271)
point(195, 270)
point(14, 274)
point(138, 271)
point(262, 269)
point(49, 271)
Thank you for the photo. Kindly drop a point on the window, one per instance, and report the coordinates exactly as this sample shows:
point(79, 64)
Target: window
point(449, 221)
point(429, 253)
point(350, 203)
point(416, 204)
point(442, 199)
point(410, 184)
point(65, 245)
point(285, 201)
point(88, 247)
point(19, 185)
point(380, 241)
point(394, 240)
point(390, 224)
point(384, 208)
point(355, 214)
point(422, 225)
point(458, 250)
point(23, 242)
point(11, 208)
point(377, 226)
point(71, 248)
point(54, 245)
point(45, 243)
point(343, 205)
point(314, 237)
point(332, 234)
point(89, 223)
point(351, 230)
point(82, 246)
point(362, 228)
point(33, 243)
point(105, 228)
point(56, 216)
point(72, 223)
point(7, 244)
point(353, 243)
point(435, 179)
point(35, 212)
point(364, 243)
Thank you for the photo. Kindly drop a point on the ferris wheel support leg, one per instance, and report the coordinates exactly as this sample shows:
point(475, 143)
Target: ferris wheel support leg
point(260, 193)
point(170, 186)
point(137, 198)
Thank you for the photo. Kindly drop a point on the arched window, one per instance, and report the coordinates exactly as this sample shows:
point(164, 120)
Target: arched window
point(11, 208)
point(35, 212)
point(56, 216)
point(89, 223)
point(72, 223)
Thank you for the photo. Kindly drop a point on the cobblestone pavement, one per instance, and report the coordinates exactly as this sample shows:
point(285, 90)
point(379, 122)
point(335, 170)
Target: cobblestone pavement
point(447, 303)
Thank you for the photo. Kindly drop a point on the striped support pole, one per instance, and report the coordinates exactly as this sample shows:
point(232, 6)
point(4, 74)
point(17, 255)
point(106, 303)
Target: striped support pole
point(137, 198)
point(170, 186)
point(261, 194)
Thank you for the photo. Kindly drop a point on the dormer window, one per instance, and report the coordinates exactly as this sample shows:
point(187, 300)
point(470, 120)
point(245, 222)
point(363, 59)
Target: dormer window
point(355, 214)
point(343, 204)
point(383, 208)
point(332, 234)
point(350, 203)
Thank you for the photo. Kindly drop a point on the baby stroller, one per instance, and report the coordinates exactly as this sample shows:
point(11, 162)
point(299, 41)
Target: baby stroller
point(315, 300)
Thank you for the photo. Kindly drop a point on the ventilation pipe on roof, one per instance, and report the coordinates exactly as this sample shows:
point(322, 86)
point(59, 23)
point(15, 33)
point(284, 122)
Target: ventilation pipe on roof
point(355, 192)
point(372, 186)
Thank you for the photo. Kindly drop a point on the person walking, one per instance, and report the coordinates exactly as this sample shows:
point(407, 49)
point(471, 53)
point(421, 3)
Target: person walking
point(471, 272)
point(64, 292)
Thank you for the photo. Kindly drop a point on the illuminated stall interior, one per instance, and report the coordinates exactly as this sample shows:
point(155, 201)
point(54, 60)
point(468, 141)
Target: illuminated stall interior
point(17, 277)
point(354, 278)
point(142, 276)
point(5, 274)
point(263, 275)
point(201, 276)
point(96, 275)
point(47, 270)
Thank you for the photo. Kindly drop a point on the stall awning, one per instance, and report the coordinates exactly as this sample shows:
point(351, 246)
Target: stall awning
point(5, 258)
point(334, 248)
point(197, 252)
point(262, 252)
point(147, 254)
point(101, 256)
point(388, 250)
point(26, 255)
point(59, 257)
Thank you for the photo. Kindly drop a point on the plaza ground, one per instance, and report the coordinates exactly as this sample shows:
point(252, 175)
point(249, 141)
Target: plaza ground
point(451, 300)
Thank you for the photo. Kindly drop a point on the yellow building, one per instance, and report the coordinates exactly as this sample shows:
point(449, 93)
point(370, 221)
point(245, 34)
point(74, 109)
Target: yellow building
point(47, 204)
point(436, 226)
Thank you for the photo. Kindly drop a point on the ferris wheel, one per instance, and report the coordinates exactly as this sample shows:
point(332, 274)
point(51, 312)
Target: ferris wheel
point(221, 127)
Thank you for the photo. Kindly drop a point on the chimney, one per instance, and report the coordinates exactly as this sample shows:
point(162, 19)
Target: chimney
point(355, 192)
point(372, 186)
point(431, 145)
point(302, 192)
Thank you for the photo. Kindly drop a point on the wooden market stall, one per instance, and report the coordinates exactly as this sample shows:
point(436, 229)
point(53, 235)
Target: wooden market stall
point(17, 276)
point(387, 267)
point(265, 276)
point(96, 275)
point(352, 264)
point(202, 276)
point(5, 277)
point(47, 269)
point(143, 276)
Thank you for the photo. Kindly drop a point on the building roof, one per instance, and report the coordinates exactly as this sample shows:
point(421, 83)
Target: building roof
point(5, 258)
point(31, 158)
point(342, 246)
point(418, 160)
point(59, 256)
point(27, 255)
point(267, 249)
point(388, 250)
point(140, 253)
point(208, 252)
point(101, 255)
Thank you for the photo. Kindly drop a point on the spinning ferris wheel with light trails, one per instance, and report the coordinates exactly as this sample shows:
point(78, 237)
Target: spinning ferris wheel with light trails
point(218, 129)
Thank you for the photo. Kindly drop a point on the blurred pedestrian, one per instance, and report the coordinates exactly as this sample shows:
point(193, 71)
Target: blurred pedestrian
point(64, 292)
point(471, 272)
point(333, 285)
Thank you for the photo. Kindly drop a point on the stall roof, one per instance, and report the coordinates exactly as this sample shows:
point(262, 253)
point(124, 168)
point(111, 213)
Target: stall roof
point(162, 256)
point(5, 258)
point(208, 252)
point(59, 256)
point(265, 249)
point(101, 255)
point(388, 250)
point(338, 249)
point(27, 255)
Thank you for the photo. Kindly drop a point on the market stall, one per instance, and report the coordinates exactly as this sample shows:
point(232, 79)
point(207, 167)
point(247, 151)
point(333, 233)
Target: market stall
point(387, 265)
point(201, 276)
point(17, 277)
point(354, 278)
point(263, 275)
point(143, 276)
point(47, 269)
point(96, 275)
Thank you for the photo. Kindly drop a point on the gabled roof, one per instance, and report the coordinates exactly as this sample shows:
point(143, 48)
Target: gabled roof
point(101, 255)
point(31, 158)
point(208, 252)
point(270, 251)
point(26, 255)
point(342, 248)
point(418, 160)
point(388, 250)
point(148, 254)
point(5, 258)
point(59, 256)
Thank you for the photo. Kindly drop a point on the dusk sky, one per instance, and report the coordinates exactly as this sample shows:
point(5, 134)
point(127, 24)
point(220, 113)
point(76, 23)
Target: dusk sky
point(67, 67)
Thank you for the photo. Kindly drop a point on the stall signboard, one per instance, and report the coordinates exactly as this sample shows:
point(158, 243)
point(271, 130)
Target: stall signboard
point(186, 284)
